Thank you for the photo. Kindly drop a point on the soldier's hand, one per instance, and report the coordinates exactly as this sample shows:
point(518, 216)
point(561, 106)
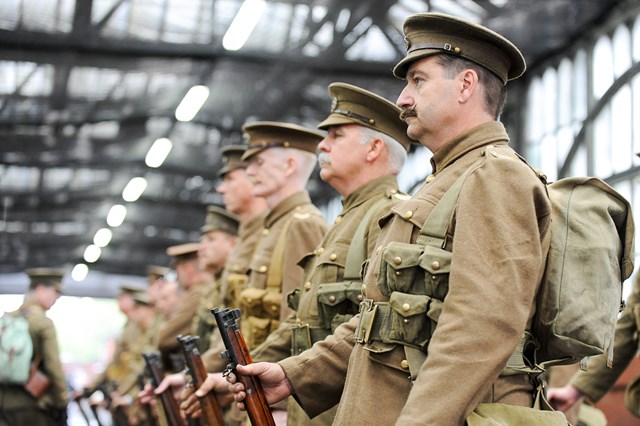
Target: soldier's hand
point(190, 404)
point(564, 398)
point(176, 381)
point(146, 395)
point(275, 384)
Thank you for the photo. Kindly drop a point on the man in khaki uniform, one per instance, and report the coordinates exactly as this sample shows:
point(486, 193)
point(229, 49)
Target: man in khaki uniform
point(194, 281)
point(594, 382)
point(445, 307)
point(360, 157)
point(17, 406)
point(281, 158)
point(218, 240)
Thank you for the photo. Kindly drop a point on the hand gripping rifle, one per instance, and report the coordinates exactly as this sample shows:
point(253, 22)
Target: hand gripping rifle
point(238, 354)
point(210, 406)
point(169, 404)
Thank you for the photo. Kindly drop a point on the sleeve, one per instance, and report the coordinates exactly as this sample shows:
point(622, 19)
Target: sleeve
point(52, 366)
point(596, 381)
point(499, 250)
point(322, 370)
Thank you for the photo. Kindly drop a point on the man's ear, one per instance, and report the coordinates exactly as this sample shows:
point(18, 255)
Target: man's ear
point(376, 148)
point(290, 166)
point(468, 84)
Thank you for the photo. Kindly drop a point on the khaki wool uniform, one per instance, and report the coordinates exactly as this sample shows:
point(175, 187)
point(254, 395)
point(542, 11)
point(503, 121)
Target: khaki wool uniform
point(499, 241)
point(179, 324)
point(598, 379)
point(296, 226)
point(234, 279)
point(326, 264)
point(14, 400)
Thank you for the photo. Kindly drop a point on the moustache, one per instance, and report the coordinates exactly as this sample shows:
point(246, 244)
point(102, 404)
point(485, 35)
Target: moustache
point(324, 158)
point(408, 112)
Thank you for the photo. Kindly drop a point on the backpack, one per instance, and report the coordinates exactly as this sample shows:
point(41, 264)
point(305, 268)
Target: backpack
point(591, 254)
point(16, 348)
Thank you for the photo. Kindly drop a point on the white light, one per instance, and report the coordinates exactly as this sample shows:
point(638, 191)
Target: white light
point(243, 24)
point(92, 253)
point(191, 103)
point(158, 152)
point(116, 215)
point(134, 189)
point(102, 237)
point(79, 272)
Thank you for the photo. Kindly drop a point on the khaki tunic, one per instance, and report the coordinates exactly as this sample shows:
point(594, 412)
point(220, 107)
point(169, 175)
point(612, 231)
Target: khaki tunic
point(499, 241)
point(326, 265)
point(118, 367)
point(305, 228)
point(179, 324)
point(234, 279)
point(45, 346)
point(596, 381)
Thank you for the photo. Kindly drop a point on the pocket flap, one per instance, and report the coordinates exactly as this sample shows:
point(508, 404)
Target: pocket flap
point(331, 294)
point(435, 260)
point(401, 256)
point(407, 305)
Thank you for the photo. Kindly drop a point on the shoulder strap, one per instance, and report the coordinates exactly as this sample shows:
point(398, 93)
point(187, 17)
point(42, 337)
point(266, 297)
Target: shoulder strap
point(357, 253)
point(434, 230)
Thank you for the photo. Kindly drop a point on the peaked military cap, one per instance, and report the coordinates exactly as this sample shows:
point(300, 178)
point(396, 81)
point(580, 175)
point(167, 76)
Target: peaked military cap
point(183, 252)
point(142, 298)
point(232, 159)
point(131, 288)
point(219, 219)
point(268, 134)
point(427, 34)
point(50, 277)
point(354, 105)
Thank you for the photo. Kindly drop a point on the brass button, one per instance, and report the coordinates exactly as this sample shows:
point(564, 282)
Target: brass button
point(333, 256)
point(274, 308)
point(433, 277)
point(319, 251)
point(398, 273)
point(406, 320)
point(406, 307)
point(263, 268)
point(408, 214)
point(332, 298)
point(429, 178)
point(378, 249)
point(307, 285)
point(435, 265)
point(338, 220)
point(364, 288)
point(360, 298)
point(265, 231)
point(404, 364)
point(397, 260)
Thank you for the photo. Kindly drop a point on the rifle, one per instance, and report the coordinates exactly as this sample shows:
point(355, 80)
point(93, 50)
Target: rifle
point(210, 406)
point(151, 418)
point(238, 354)
point(169, 404)
point(118, 413)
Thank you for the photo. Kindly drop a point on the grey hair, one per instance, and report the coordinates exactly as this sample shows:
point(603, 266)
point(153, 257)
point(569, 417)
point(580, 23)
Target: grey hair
point(397, 153)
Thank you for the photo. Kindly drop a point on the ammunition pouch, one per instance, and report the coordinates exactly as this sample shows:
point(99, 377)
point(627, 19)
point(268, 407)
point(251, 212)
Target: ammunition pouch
point(262, 308)
point(338, 303)
point(303, 336)
point(235, 284)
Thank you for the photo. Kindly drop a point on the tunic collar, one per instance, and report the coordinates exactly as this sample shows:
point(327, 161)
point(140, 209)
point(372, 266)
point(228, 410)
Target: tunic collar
point(385, 184)
point(492, 132)
point(252, 226)
point(285, 206)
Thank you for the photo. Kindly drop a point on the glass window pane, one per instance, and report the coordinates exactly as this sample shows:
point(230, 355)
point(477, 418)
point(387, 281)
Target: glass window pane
point(601, 143)
point(602, 67)
point(620, 143)
point(621, 49)
point(580, 100)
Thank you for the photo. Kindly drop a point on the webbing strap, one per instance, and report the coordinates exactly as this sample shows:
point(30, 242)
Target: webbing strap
point(276, 264)
point(434, 230)
point(357, 253)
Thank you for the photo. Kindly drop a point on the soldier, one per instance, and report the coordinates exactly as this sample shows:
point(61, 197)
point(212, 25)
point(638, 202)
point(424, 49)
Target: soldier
point(143, 315)
point(465, 286)
point(281, 158)
point(594, 382)
point(217, 242)
point(193, 280)
point(360, 157)
point(170, 297)
point(17, 406)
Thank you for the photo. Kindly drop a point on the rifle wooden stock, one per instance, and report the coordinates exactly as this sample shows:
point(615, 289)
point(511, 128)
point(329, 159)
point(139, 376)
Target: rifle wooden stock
point(170, 406)
point(238, 354)
point(210, 406)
